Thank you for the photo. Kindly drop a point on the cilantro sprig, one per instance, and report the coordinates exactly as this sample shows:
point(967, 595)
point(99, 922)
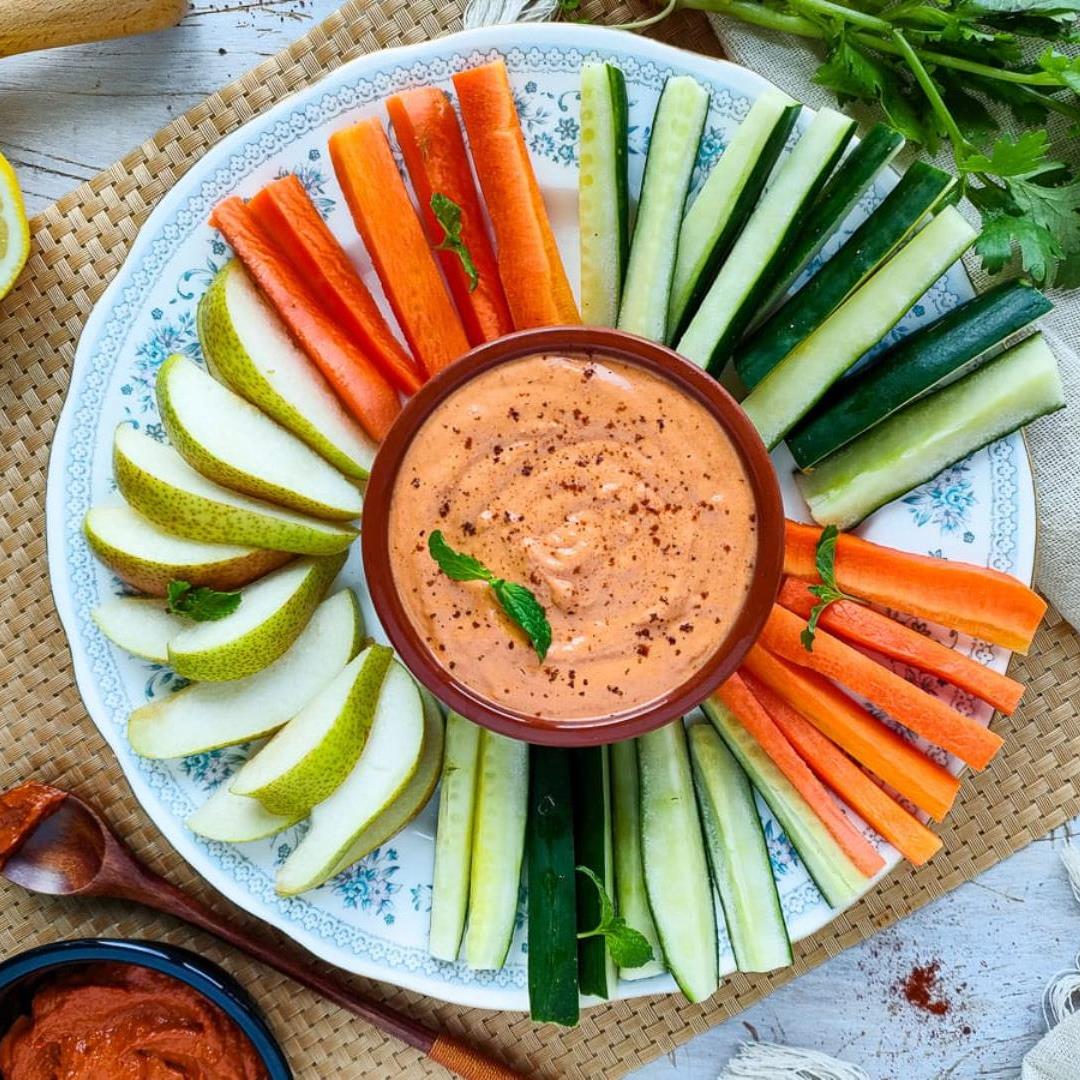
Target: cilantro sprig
point(629, 948)
point(519, 603)
point(200, 604)
point(448, 214)
point(827, 591)
point(941, 69)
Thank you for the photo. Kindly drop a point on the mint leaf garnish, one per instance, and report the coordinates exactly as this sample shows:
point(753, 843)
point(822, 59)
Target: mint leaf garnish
point(629, 948)
point(448, 214)
point(519, 603)
point(827, 592)
point(201, 604)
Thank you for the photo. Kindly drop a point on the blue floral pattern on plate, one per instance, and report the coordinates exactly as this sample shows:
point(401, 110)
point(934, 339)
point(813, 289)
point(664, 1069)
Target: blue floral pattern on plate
point(373, 918)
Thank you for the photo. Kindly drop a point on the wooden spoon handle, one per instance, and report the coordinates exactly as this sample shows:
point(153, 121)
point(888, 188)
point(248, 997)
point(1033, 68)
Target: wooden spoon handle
point(26, 25)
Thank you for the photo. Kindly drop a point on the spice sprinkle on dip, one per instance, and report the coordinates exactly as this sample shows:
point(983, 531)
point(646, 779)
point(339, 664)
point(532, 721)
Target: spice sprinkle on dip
point(606, 489)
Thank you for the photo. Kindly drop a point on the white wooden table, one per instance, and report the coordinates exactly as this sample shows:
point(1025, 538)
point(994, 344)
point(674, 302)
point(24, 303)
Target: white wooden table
point(68, 113)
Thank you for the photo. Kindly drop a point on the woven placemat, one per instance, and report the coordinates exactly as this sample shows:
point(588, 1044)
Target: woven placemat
point(44, 731)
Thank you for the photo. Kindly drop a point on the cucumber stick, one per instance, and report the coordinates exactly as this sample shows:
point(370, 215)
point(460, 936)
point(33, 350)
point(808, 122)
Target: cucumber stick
point(833, 872)
point(553, 942)
point(800, 380)
point(927, 436)
point(725, 201)
point(738, 856)
point(603, 194)
point(673, 149)
point(676, 869)
point(591, 773)
point(453, 837)
point(758, 255)
point(852, 179)
point(631, 901)
point(921, 361)
point(919, 191)
point(498, 846)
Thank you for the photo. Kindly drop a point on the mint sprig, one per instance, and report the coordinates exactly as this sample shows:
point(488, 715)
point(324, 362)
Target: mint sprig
point(519, 603)
point(827, 592)
point(201, 603)
point(448, 214)
point(629, 948)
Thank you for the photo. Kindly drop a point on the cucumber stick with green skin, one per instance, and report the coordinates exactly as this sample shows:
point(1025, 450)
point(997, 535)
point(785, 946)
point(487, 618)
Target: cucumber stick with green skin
point(725, 201)
point(676, 867)
point(454, 837)
point(631, 900)
point(603, 192)
point(497, 849)
point(738, 856)
point(673, 149)
point(758, 256)
point(913, 367)
point(852, 179)
point(835, 875)
point(916, 443)
point(553, 941)
point(919, 191)
point(802, 378)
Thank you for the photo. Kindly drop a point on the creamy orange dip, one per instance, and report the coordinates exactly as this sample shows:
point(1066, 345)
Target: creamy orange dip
point(614, 496)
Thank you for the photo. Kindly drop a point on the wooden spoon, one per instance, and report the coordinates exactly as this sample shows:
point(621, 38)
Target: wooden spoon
point(74, 852)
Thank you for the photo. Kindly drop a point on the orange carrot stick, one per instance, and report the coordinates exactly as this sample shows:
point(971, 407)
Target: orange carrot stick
point(360, 385)
point(286, 212)
point(887, 754)
point(834, 768)
point(532, 271)
point(394, 238)
point(864, 626)
point(430, 138)
point(984, 603)
point(736, 695)
point(914, 708)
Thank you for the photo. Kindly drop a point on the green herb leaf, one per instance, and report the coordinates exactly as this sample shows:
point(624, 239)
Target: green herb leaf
point(629, 948)
point(200, 604)
point(827, 592)
point(1010, 156)
point(448, 214)
point(519, 603)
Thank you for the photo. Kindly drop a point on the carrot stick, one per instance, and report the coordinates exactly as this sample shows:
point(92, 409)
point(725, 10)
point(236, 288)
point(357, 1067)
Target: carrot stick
point(394, 238)
point(736, 695)
point(914, 708)
point(355, 379)
point(884, 752)
point(286, 212)
point(834, 768)
point(430, 138)
point(984, 603)
point(864, 626)
point(532, 272)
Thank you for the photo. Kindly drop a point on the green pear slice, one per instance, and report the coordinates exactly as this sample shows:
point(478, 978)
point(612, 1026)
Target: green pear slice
point(162, 486)
point(414, 796)
point(139, 624)
point(236, 819)
point(249, 349)
point(307, 759)
point(389, 761)
point(224, 437)
point(207, 716)
point(147, 558)
point(272, 613)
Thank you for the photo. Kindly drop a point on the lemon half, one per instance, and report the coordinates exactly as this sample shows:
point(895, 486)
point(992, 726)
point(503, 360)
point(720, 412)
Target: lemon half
point(14, 230)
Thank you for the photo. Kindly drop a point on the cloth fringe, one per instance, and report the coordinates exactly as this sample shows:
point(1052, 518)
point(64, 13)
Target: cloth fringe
point(492, 12)
point(770, 1061)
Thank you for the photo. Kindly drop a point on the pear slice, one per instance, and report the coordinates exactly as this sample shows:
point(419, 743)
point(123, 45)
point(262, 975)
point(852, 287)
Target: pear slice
point(414, 796)
point(271, 615)
point(307, 759)
point(162, 486)
point(223, 436)
point(207, 716)
point(249, 349)
point(145, 557)
point(389, 761)
point(236, 819)
point(139, 624)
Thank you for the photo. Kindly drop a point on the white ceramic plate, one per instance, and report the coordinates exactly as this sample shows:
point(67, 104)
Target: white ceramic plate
point(373, 918)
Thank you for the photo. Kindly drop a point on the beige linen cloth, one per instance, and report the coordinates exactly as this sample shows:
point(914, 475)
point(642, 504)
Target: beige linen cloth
point(1054, 441)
